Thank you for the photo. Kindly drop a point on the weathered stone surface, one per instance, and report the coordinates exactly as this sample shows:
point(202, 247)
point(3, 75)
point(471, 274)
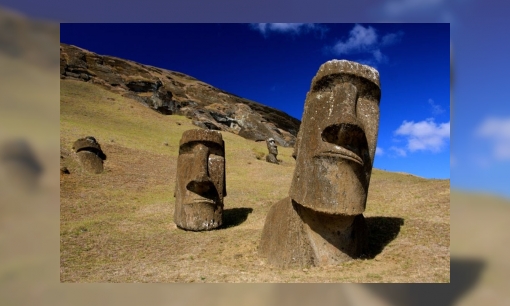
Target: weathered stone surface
point(296, 236)
point(336, 146)
point(321, 223)
point(170, 92)
point(89, 154)
point(273, 151)
point(200, 181)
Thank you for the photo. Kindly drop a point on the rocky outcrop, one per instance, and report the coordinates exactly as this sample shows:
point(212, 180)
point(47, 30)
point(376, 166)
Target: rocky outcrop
point(170, 92)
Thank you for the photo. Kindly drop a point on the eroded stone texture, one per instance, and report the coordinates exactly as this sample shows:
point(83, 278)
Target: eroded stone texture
point(273, 151)
point(89, 154)
point(321, 222)
point(200, 181)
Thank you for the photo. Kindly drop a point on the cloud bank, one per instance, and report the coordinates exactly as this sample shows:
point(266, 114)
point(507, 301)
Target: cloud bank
point(423, 136)
point(365, 40)
point(286, 28)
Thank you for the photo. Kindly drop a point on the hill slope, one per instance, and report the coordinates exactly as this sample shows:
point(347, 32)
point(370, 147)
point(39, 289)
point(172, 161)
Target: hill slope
point(170, 92)
point(117, 226)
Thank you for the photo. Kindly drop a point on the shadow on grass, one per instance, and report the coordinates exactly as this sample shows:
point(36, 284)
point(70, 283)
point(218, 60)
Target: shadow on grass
point(381, 231)
point(235, 216)
point(465, 274)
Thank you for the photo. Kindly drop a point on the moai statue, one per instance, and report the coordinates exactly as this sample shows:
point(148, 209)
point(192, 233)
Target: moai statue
point(89, 153)
point(273, 151)
point(321, 222)
point(200, 182)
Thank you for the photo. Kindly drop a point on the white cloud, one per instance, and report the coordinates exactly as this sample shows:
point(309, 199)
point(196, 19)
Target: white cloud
point(399, 151)
point(497, 131)
point(424, 135)
point(360, 39)
point(436, 108)
point(391, 38)
point(293, 28)
point(379, 151)
point(379, 57)
point(365, 40)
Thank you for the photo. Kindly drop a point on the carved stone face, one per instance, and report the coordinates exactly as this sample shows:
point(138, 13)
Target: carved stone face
point(337, 139)
point(89, 154)
point(200, 182)
point(271, 146)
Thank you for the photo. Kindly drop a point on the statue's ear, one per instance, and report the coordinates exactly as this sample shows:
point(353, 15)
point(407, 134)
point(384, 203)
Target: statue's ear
point(296, 145)
point(300, 132)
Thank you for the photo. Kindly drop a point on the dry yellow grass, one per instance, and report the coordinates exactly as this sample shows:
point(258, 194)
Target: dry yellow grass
point(118, 227)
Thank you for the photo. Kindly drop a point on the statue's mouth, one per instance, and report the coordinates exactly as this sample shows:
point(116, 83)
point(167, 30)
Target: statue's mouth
point(347, 141)
point(203, 201)
point(340, 152)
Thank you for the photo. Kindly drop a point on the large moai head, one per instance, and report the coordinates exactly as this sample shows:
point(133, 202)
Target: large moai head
point(89, 153)
point(337, 140)
point(200, 182)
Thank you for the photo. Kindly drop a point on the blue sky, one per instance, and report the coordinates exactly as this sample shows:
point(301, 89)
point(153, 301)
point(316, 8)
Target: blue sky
point(478, 31)
point(274, 64)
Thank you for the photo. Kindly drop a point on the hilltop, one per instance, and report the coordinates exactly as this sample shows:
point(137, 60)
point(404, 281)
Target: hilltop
point(174, 93)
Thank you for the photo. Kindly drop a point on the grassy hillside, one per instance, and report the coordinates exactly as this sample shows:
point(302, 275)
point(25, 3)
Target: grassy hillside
point(117, 226)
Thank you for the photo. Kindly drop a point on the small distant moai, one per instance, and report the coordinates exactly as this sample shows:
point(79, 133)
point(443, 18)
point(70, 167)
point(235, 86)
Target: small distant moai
point(273, 151)
point(200, 182)
point(321, 222)
point(90, 155)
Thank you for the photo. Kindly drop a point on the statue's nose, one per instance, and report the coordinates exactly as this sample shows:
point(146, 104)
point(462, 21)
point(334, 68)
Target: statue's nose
point(342, 127)
point(347, 94)
point(200, 182)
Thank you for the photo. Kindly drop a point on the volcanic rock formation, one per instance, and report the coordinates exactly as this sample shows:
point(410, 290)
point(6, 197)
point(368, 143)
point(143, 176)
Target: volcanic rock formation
point(170, 92)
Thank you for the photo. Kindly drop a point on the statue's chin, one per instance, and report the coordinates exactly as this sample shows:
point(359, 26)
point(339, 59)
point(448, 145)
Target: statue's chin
point(333, 187)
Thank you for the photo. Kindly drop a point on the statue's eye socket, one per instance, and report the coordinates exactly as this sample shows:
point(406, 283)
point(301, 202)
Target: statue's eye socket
point(213, 147)
point(216, 151)
point(344, 134)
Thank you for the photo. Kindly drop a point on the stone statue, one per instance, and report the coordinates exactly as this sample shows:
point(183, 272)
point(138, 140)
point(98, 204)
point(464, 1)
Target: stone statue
point(200, 181)
point(273, 151)
point(90, 155)
point(321, 222)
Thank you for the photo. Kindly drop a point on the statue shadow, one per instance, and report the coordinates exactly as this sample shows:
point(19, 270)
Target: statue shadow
point(381, 231)
point(235, 216)
point(465, 274)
